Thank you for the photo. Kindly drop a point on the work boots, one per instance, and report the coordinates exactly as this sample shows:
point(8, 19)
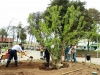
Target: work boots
point(16, 63)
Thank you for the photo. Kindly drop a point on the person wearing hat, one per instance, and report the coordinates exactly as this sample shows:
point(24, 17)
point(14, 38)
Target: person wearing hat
point(13, 53)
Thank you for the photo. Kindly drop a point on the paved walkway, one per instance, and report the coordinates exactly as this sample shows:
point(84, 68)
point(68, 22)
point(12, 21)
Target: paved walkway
point(93, 60)
point(36, 55)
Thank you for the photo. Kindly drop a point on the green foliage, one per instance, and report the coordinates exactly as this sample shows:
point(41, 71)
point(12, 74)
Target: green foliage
point(50, 29)
point(23, 35)
point(46, 35)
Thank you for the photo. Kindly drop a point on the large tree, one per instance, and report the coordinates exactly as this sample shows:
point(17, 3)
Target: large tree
point(50, 32)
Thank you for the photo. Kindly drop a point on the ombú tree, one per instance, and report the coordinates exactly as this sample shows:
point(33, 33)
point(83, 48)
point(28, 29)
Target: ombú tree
point(51, 35)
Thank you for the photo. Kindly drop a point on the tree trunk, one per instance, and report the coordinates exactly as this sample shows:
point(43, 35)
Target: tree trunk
point(56, 63)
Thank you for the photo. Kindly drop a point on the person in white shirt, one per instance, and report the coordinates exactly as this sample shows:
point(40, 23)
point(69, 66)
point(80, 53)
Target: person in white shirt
point(13, 53)
point(69, 53)
point(74, 52)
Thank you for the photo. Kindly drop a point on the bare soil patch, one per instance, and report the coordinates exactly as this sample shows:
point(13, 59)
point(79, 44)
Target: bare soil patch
point(37, 67)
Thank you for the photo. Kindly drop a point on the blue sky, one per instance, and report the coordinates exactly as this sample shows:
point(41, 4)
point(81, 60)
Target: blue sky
point(18, 10)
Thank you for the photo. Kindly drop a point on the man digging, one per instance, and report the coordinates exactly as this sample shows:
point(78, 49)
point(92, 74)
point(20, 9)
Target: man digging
point(13, 53)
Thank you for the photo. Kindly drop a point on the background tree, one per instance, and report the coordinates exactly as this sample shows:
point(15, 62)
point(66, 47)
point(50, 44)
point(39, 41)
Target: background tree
point(29, 33)
point(14, 29)
point(3, 34)
point(33, 20)
point(23, 35)
point(95, 14)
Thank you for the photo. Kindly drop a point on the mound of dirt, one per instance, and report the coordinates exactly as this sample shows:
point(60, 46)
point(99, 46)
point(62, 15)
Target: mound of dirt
point(37, 67)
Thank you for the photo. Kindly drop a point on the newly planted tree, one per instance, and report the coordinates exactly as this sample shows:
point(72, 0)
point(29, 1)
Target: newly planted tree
point(50, 32)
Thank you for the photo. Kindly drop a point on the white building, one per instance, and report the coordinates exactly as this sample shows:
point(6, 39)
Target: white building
point(83, 44)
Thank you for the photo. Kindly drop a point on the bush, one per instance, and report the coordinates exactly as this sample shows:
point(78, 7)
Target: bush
point(82, 53)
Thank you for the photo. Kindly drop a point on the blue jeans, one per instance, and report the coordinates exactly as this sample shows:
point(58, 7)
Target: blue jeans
point(74, 56)
point(41, 54)
point(68, 56)
point(65, 56)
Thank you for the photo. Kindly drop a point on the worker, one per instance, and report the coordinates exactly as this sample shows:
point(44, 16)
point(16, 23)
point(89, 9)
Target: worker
point(13, 53)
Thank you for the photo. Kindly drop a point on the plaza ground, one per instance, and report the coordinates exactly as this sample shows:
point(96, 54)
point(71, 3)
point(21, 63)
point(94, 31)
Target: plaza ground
point(37, 66)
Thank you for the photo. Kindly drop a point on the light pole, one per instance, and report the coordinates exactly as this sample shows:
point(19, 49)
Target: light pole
point(98, 30)
point(97, 46)
point(9, 42)
point(19, 36)
point(34, 42)
point(19, 32)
